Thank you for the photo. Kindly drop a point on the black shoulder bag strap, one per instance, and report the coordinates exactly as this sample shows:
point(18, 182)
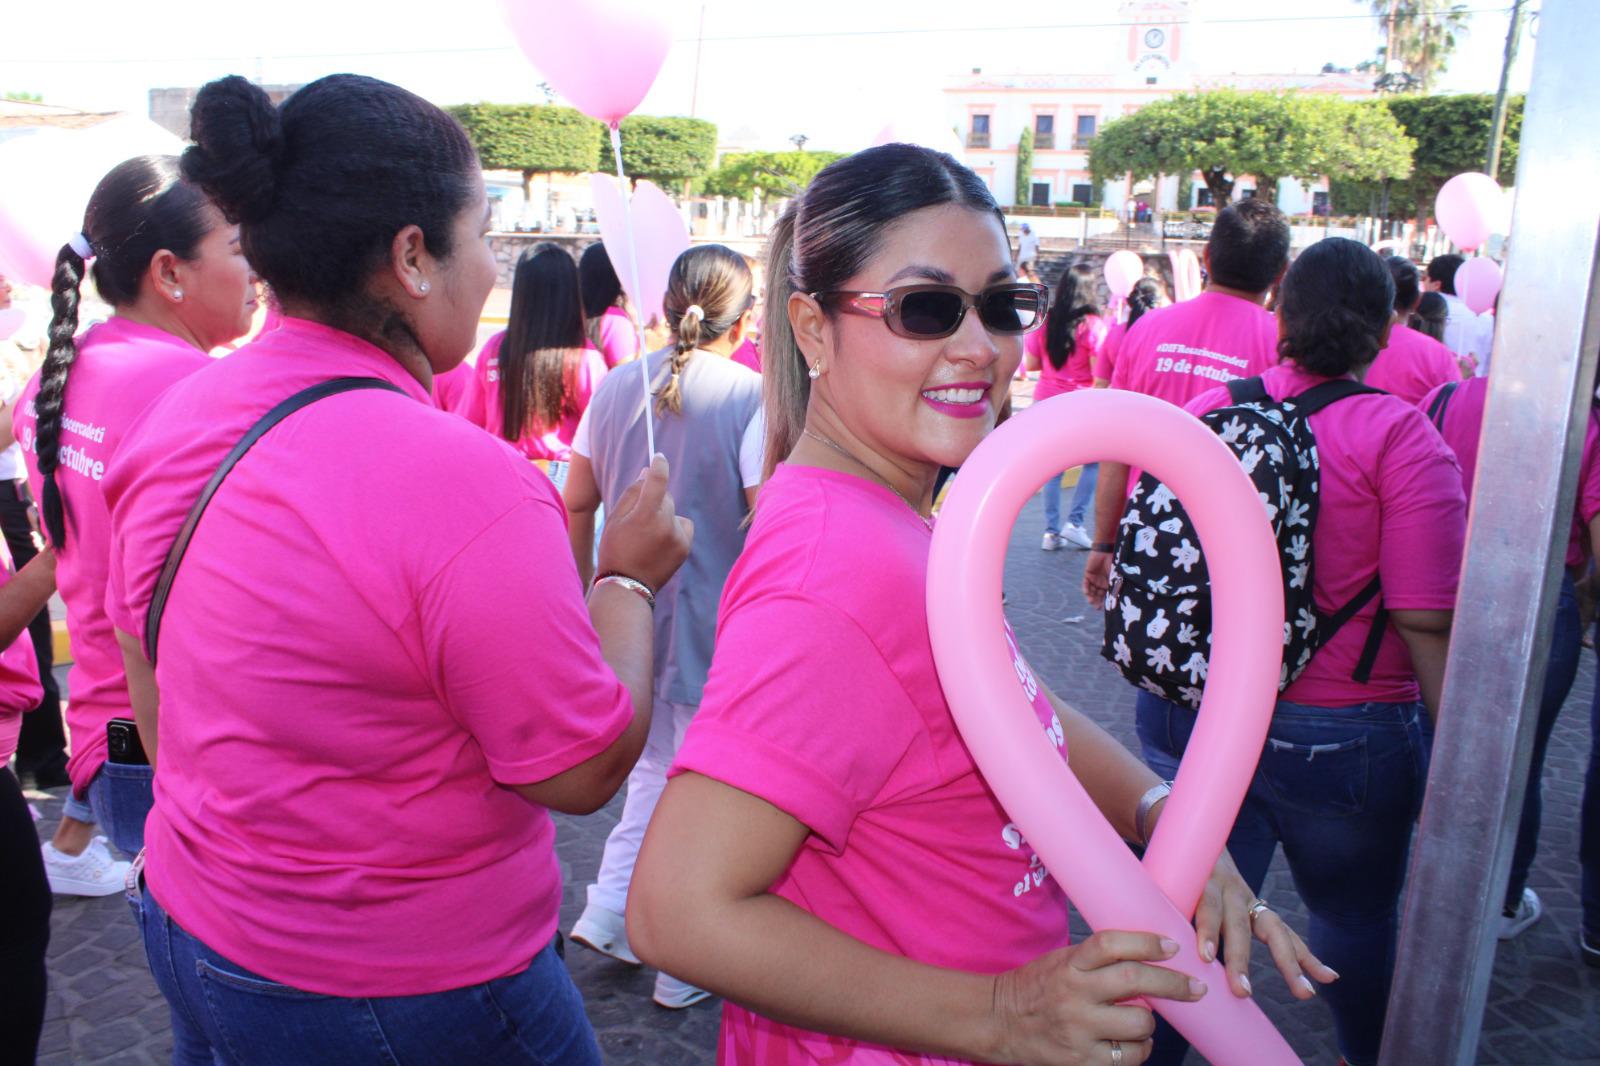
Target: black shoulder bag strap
point(1440, 403)
point(169, 570)
point(1247, 390)
point(1307, 404)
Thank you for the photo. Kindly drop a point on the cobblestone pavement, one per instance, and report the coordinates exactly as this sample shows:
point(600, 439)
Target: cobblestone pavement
point(1544, 1005)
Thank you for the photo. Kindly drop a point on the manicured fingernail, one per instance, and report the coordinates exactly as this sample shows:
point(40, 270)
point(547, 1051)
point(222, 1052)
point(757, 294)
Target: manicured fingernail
point(1196, 988)
point(1244, 983)
point(1334, 972)
point(1208, 951)
point(1169, 946)
point(1306, 982)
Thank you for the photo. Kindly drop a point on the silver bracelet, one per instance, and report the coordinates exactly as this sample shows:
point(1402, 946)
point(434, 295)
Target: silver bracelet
point(631, 584)
point(1155, 795)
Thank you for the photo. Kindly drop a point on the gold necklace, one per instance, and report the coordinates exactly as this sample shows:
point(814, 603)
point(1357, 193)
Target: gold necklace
point(820, 439)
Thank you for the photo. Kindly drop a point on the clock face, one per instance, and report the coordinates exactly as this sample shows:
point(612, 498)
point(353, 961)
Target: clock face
point(1155, 38)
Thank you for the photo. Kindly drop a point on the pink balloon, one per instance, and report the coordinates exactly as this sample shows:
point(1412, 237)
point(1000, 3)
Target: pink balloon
point(659, 235)
point(1123, 269)
point(1111, 888)
point(927, 132)
point(1478, 283)
point(1469, 208)
point(1185, 275)
point(46, 178)
point(602, 55)
point(11, 320)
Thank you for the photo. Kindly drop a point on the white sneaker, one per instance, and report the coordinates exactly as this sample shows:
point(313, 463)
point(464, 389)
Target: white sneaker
point(1528, 911)
point(1077, 536)
point(1051, 542)
point(93, 873)
point(605, 931)
point(674, 994)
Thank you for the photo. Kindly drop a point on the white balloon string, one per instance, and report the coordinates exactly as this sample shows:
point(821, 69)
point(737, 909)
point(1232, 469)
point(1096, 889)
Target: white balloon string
point(638, 295)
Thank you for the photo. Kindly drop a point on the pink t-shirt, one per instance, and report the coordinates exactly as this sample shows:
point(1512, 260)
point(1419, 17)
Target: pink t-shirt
point(453, 390)
point(122, 366)
point(554, 443)
point(843, 726)
point(1176, 353)
point(748, 354)
point(352, 671)
point(1413, 365)
point(1105, 359)
point(1463, 428)
point(1077, 372)
point(1390, 503)
point(617, 339)
point(19, 677)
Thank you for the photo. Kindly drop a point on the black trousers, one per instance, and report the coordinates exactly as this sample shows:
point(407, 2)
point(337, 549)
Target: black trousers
point(24, 927)
point(42, 747)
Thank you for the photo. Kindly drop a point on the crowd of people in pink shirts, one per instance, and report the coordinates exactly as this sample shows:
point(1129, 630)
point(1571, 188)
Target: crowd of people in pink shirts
point(352, 614)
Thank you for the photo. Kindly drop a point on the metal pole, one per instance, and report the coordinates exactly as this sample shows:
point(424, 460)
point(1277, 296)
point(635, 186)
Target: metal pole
point(1545, 339)
point(1498, 126)
point(699, 46)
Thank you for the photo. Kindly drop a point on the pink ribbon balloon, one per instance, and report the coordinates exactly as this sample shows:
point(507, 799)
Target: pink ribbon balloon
point(1469, 208)
point(46, 179)
point(659, 236)
point(1123, 269)
point(1185, 275)
point(1478, 283)
point(602, 55)
point(1111, 888)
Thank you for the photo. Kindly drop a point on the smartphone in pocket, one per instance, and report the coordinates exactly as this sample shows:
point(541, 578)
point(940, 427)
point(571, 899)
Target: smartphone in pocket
point(123, 745)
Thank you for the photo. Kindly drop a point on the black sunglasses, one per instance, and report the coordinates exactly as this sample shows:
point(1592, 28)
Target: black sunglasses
point(927, 312)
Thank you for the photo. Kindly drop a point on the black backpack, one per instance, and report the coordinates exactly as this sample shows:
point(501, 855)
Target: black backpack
point(1158, 611)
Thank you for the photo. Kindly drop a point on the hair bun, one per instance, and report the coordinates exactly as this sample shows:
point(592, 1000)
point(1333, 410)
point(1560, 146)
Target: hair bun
point(238, 149)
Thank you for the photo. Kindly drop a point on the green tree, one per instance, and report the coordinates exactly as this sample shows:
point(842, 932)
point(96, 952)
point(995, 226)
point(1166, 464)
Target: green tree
point(662, 149)
point(774, 173)
point(1420, 35)
point(1452, 136)
point(1226, 134)
point(1025, 168)
point(26, 98)
point(532, 138)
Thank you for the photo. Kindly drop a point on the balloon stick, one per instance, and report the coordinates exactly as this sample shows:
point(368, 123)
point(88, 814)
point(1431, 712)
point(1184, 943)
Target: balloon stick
point(638, 293)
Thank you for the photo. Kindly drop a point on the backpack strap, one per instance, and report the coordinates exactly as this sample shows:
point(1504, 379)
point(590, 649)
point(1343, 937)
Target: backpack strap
point(1380, 622)
point(1247, 390)
point(1440, 403)
point(1317, 397)
point(169, 570)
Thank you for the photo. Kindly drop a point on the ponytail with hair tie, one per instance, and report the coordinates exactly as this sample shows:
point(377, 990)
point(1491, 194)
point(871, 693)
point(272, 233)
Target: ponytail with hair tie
point(708, 289)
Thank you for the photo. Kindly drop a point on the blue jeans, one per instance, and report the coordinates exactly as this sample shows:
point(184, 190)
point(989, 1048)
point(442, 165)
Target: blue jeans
point(223, 1014)
point(119, 800)
point(1566, 641)
point(1589, 824)
point(1082, 498)
point(1340, 788)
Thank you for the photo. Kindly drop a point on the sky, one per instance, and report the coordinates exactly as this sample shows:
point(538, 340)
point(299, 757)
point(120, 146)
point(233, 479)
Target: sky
point(834, 70)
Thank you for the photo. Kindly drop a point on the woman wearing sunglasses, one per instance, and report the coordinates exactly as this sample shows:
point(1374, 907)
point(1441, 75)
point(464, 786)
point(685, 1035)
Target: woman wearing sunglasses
point(827, 855)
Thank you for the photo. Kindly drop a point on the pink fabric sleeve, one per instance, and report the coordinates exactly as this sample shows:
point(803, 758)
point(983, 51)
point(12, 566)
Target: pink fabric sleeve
point(512, 652)
point(1589, 485)
point(814, 726)
point(590, 372)
point(1423, 519)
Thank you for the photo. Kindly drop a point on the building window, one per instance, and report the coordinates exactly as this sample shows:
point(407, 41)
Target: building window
point(1084, 132)
point(1203, 197)
point(1082, 193)
point(978, 135)
point(1044, 131)
point(1040, 194)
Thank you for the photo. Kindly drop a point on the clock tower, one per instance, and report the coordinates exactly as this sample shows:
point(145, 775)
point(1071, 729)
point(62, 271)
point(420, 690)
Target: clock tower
point(1156, 40)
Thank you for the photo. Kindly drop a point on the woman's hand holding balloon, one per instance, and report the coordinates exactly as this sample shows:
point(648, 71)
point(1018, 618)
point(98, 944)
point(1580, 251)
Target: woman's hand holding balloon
point(644, 538)
point(1067, 1007)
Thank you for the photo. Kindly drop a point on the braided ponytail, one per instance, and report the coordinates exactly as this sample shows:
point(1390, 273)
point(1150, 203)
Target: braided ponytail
point(708, 290)
point(58, 360)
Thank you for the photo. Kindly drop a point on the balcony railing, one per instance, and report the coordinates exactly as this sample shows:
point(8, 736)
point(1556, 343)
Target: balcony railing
point(1081, 142)
point(978, 140)
point(1045, 141)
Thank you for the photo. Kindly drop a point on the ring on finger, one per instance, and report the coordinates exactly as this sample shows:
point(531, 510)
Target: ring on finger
point(1257, 906)
point(1116, 1053)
